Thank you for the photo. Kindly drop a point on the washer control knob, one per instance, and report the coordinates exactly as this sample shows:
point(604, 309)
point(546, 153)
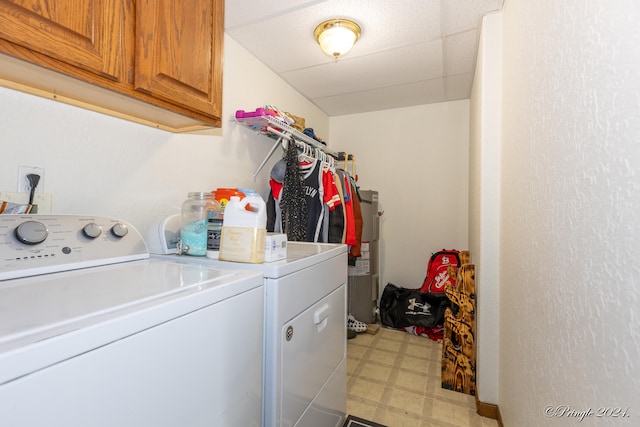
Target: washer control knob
point(31, 232)
point(92, 230)
point(119, 230)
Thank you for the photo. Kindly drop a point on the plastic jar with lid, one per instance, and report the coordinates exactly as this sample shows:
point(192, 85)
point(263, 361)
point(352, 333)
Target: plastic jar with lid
point(196, 211)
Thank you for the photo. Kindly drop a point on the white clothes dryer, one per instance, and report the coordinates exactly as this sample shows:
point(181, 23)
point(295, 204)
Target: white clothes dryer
point(305, 348)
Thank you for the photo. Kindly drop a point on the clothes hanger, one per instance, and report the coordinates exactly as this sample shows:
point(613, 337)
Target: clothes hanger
point(306, 154)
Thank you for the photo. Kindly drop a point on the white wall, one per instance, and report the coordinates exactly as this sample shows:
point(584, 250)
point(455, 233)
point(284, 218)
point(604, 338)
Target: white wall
point(569, 277)
point(95, 164)
point(484, 202)
point(417, 158)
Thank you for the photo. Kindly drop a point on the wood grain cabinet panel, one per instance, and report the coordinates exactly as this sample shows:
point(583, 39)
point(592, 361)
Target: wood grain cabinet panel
point(83, 33)
point(178, 52)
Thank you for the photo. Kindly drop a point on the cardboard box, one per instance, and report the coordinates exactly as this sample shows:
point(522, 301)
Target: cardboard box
point(275, 247)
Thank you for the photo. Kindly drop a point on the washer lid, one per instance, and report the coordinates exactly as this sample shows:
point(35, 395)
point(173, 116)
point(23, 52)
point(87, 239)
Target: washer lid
point(36, 308)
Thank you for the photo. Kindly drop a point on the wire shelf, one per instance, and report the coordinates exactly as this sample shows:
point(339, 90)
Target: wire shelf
point(276, 128)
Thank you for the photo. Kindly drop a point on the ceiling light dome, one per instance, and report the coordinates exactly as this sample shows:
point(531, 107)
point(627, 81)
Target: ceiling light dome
point(337, 36)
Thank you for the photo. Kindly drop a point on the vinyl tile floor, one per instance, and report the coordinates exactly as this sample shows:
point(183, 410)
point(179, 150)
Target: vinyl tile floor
point(394, 379)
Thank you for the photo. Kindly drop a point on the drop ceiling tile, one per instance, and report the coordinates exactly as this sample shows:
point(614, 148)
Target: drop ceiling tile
point(460, 52)
point(385, 24)
point(392, 67)
point(419, 93)
point(411, 52)
point(458, 87)
point(240, 12)
point(463, 15)
point(272, 43)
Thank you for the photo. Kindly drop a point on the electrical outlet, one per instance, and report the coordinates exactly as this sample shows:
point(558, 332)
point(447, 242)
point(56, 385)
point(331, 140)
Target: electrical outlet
point(23, 183)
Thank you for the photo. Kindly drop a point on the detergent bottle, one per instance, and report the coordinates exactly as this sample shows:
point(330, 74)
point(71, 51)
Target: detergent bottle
point(244, 229)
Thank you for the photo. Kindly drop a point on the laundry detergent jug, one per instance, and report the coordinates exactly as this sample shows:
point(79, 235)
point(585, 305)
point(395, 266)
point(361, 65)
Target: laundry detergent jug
point(244, 229)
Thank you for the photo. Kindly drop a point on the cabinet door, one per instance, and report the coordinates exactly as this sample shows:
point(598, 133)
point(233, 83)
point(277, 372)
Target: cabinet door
point(84, 33)
point(179, 52)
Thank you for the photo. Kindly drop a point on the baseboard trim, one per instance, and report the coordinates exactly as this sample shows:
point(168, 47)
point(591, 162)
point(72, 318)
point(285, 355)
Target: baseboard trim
point(489, 410)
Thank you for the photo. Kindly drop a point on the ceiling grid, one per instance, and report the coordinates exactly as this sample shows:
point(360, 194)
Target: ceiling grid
point(411, 52)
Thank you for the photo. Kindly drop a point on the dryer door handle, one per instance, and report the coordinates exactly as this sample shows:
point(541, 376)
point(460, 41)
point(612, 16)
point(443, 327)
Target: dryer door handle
point(320, 316)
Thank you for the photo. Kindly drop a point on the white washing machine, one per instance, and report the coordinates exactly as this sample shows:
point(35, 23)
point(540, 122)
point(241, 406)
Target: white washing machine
point(95, 333)
point(305, 350)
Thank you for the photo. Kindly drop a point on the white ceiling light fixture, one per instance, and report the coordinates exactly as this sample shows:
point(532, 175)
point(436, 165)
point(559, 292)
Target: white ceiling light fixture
point(337, 36)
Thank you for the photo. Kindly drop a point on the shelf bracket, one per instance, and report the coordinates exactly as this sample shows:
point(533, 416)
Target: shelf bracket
point(269, 154)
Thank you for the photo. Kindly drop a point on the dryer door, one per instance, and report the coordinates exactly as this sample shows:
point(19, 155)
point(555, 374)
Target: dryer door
point(313, 346)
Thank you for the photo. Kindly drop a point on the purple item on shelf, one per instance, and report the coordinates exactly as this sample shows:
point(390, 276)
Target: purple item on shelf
point(241, 114)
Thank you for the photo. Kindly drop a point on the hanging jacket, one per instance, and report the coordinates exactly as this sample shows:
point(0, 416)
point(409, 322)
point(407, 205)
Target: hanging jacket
point(355, 249)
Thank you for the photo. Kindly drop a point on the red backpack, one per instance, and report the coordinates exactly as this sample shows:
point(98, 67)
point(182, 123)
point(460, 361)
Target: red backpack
point(437, 270)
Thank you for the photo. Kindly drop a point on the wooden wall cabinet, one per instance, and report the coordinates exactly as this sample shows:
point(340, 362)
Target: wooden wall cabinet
point(158, 62)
